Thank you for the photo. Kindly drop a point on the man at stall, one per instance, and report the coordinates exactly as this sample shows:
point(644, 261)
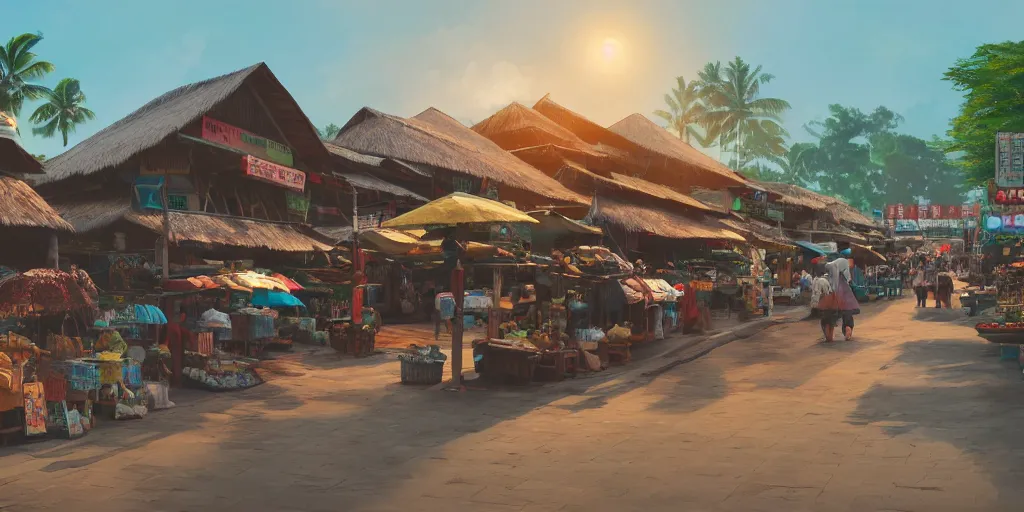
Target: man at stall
point(177, 339)
point(920, 287)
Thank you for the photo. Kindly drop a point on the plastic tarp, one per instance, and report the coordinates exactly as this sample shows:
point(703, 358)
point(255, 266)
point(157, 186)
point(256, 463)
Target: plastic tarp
point(141, 314)
point(662, 291)
point(810, 247)
point(274, 299)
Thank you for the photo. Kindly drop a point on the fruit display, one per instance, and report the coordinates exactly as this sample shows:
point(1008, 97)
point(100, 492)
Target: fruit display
point(999, 328)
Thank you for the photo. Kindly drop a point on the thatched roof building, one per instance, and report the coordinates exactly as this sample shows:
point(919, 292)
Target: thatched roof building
point(697, 168)
point(435, 139)
point(655, 221)
point(14, 160)
point(166, 115)
point(579, 165)
point(797, 196)
point(20, 206)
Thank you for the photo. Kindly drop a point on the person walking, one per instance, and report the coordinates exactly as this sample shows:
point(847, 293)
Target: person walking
point(820, 288)
point(842, 302)
point(920, 291)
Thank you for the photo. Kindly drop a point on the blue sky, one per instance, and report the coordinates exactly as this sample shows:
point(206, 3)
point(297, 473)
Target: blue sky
point(469, 58)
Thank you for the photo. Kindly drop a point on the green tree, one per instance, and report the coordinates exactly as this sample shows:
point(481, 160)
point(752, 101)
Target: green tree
point(63, 111)
point(914, 168)
point(737, 116)
point(796, 167)
point(685, 110)
point(329, 132)
point(40, 157)
point(992, 80)
point(842, 165)
point(18, 67)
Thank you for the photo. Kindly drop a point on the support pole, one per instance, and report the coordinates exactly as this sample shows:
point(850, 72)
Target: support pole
point(165, 265)
point(53, 253)
point(458, 285)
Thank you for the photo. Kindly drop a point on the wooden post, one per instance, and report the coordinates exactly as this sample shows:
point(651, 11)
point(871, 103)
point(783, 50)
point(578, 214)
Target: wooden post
point(457, 286)
point(494, 316)
point(53, 254)
point(165, 266)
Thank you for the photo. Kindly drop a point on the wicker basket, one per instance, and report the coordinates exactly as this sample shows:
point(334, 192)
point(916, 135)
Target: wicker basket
point(421, 373)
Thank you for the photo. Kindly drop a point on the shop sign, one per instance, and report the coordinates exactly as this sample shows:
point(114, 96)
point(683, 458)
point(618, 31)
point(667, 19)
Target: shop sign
point(273, 173)
point(1009, 159)
point(702, 286)
point(224, 134)
point(297, 204)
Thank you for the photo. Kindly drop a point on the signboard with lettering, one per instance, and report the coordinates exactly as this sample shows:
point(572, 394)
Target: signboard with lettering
point(1009, 159)
point(272, 173)
point(222, 133)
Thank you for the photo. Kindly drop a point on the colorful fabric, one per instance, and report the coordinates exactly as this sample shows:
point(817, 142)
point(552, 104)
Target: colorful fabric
point(35, 408)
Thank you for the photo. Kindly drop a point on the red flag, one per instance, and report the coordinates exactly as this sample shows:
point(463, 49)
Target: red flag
point(912, 212)
point(899, 211)
point(890, 211)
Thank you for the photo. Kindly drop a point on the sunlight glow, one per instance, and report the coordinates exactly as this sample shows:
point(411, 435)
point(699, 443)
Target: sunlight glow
point(611, 48)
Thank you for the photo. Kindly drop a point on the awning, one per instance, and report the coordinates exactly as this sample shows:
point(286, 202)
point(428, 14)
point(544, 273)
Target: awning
point(368, 182)
point(810, 247)
point(866, 255)
point(558, 224)
point(637, 218)
point(231, 231)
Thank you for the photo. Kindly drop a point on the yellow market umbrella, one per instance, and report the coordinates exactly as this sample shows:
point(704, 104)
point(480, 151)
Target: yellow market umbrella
point(458, 209)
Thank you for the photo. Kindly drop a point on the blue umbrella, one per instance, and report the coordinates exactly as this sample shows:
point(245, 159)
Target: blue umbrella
point(274, 299)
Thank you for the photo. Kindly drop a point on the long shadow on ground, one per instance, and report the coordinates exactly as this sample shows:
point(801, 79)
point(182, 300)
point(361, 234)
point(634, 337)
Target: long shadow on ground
point(966, 397)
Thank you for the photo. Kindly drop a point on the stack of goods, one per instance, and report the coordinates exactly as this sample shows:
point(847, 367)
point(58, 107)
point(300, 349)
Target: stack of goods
point(220, 375)
point(595, 260)
point(253, 324)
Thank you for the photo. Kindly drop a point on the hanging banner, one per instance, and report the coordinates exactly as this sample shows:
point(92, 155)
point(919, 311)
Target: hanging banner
point(272, 173)
point(222, 133)
point(1009, 159)
point(912, 212)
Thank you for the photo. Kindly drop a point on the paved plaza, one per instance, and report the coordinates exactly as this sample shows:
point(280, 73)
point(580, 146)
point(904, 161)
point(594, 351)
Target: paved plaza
point(916, 414)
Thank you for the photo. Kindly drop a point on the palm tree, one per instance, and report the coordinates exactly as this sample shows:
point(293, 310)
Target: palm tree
point(797, 167)
point(735, 112)
point(685, 110)
point(18, 65)
point(63, 110)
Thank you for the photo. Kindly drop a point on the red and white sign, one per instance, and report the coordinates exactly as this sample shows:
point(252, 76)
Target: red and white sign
point(272, 173)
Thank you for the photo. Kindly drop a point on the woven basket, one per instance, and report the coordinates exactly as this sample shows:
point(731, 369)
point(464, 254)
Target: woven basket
point(421, 373)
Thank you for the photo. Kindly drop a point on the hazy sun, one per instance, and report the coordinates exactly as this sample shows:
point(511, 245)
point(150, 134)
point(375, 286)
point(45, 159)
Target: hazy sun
point(611, 48)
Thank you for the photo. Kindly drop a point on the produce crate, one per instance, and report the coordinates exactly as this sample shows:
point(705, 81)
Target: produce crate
point(422, 373)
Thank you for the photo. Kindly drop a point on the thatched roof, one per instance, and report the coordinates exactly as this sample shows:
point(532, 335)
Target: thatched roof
point(87, 215)
point(369, 182)
point(707, 172)
point(554, 222)
point(517, 126)
point(794, 195)
point(336, 234)
point(757, 231)
point(166, 115)
point(435, 139)
point(13, 157)
point(354, 157)
point(584, 128)
point(644, 219)
point(20, 206)
point(621, 182)
point(228, 231)
point(656, 190)
point(798, 196)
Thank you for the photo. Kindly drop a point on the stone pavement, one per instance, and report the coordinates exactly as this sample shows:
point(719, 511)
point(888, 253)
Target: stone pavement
point(916, 414)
